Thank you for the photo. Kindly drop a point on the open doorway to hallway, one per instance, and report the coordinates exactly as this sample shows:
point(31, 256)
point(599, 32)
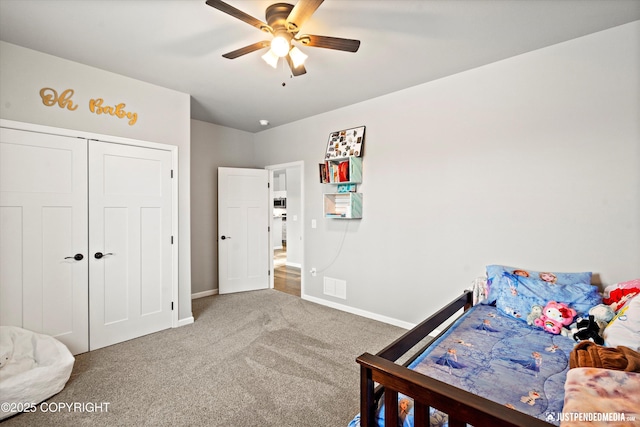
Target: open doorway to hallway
point(285, 278)
point(286, 227)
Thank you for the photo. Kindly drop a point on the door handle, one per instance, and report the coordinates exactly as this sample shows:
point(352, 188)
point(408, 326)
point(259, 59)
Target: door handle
point(99, 255)
point(77, 257)
point(225, 237)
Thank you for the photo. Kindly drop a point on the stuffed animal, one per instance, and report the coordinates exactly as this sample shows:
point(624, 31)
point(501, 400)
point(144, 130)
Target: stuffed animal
point(555, 316)
point(603, 314)
point(536, 311)
point(588, 329)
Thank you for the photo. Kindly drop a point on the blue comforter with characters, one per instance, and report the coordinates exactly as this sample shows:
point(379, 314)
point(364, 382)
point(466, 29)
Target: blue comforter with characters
point(497, 357)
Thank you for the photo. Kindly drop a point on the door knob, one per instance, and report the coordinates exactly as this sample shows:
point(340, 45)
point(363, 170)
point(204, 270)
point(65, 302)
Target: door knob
point(77, 257)
point(99, 255)
point(225, 237)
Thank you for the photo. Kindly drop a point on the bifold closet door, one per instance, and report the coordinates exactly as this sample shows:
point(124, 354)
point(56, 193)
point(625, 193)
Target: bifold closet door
point(43, 235)
point(130, 263)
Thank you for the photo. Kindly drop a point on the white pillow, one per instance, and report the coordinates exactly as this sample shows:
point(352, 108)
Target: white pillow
point(624, 329)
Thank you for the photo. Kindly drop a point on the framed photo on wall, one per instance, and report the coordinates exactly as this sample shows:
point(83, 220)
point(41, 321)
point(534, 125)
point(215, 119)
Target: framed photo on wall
point(345, 143)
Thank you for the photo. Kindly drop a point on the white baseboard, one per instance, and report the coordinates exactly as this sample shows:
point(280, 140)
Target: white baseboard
point(185, 321)
point(204, 294)
point(359, 312)
point(293, 264)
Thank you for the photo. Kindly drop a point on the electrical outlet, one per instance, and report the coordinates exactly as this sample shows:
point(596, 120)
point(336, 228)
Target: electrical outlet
point(314, 272)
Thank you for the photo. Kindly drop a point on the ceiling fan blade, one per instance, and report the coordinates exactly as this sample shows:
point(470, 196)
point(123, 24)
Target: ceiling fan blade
point(247, 49)
point(347, 45)
point(296, 71)
point(301, 12)
point(236, 13)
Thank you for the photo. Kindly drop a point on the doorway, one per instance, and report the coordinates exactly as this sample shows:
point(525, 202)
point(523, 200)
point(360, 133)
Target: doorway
point(286, 243)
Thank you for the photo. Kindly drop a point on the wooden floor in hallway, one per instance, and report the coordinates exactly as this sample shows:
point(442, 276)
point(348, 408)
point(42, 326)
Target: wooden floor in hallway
point(285, 278)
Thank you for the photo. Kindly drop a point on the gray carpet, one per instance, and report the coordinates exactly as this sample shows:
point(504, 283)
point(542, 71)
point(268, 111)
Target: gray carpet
point(261, 358)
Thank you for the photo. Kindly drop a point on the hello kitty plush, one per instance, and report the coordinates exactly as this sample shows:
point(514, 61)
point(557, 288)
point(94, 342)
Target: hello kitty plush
point(555, 316)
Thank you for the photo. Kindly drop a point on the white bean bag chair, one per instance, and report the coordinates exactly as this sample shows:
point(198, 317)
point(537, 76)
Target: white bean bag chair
point(33, 367)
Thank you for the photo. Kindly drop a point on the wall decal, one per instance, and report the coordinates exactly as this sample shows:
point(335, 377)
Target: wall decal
point(95, 105)
point(51, 98)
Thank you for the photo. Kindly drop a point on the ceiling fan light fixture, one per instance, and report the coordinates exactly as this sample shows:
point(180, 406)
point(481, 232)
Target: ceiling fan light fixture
point(271, 58)
point(297, 56)
point(280, 46)
point(283, 23)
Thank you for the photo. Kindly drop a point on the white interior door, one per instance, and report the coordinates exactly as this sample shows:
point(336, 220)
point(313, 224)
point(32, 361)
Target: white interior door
point(130, 242)
point(43, 226)
point(243, 230)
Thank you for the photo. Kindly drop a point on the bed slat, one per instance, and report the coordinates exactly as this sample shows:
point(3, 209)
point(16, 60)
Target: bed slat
point(391, 405)
point(421, 414)
point(367, 398)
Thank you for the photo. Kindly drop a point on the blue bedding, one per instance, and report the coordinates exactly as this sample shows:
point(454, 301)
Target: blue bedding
point(497, 357)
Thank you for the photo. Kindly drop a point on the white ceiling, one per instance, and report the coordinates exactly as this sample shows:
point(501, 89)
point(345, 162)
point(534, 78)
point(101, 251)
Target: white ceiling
point(178, 45)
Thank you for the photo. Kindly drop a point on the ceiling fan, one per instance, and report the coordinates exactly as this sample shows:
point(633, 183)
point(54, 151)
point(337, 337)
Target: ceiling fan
point(283, 23)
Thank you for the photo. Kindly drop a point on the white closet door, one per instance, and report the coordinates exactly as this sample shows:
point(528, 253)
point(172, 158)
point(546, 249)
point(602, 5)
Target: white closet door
point(43, 225)
point(130, 225)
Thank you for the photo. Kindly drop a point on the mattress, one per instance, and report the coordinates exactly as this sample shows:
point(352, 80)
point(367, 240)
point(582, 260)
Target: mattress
point(502, 359)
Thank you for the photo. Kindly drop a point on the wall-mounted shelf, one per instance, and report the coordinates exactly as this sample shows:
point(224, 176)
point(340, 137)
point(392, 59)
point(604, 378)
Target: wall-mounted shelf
point(342, 170)
point(343, 167)
point(343, 205)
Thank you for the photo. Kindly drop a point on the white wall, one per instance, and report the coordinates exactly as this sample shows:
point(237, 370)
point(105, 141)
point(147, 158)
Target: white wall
point(163, 117)
point(212, 146)
point(533, 161)
point(294, 216)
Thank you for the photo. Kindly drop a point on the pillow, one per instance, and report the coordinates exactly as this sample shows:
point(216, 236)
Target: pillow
point(619, 294)
point(524, 297)
point(496, 281)
point(624, 329)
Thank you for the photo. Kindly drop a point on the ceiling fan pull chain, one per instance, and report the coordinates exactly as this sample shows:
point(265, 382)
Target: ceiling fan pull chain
point(285, 71)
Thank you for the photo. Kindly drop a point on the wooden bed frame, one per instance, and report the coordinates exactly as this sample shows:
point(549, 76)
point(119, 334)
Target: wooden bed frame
point(461, 406)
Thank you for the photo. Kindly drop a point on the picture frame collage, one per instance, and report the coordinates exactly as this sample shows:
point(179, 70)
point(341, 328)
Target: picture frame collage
point(345, 143)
